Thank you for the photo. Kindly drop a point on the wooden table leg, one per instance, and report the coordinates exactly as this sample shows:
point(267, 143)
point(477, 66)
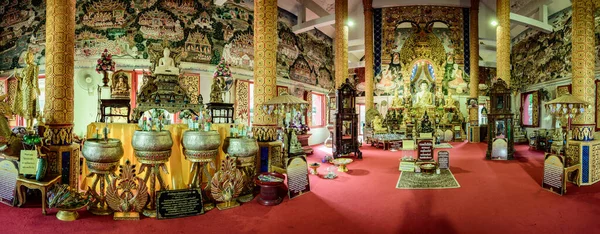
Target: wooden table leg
point(20, 195)
point(43, 200)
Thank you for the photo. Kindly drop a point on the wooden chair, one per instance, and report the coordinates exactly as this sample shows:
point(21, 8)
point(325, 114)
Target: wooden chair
point(43, 186)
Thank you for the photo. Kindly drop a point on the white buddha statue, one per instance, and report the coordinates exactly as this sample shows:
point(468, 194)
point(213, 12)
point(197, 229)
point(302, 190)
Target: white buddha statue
point(424, 97)
point(166, 64)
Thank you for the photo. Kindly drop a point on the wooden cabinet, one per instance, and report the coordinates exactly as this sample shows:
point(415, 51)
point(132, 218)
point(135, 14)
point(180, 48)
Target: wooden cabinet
point(500, 130)
point(346, 122)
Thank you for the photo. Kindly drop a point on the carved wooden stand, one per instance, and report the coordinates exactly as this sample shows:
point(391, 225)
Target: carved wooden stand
point(99, 205)
point(153, 174)
point(198, 169)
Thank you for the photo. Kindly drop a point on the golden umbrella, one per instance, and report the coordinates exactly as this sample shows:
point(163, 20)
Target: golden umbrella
point(567, 105)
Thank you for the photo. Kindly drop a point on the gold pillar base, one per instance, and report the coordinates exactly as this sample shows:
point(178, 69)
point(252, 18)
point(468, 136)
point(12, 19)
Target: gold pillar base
point(56, 155)
point(265, 133)
point(474, 134)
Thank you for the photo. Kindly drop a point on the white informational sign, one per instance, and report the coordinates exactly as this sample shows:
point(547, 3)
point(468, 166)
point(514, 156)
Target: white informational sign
point(28, 162)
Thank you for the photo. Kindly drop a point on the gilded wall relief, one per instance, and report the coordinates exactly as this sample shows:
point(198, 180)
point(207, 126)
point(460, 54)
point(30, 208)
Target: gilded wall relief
point(191, 84)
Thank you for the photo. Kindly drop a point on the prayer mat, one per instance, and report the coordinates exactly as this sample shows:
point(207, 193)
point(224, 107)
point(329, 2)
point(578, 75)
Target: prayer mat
point(413, 180)
point(443, 146)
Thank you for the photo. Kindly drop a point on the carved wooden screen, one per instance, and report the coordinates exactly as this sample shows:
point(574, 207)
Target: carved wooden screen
point(242, 103)
point(562, 90)
point(530, 109)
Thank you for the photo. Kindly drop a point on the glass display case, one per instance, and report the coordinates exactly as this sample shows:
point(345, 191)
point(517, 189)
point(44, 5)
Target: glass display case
point(500, 129)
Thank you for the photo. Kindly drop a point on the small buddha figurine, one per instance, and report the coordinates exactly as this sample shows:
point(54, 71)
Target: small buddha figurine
point(215, 92)
point(166, 64)
point(120, 89)
point(25, 103)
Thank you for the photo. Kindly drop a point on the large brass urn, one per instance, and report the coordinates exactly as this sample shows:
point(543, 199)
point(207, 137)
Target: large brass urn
point(201, 146)
point(244, 150)
point(152, 147)
point(102, 157)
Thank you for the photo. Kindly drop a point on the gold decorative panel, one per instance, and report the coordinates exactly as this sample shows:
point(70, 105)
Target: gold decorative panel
point(191, 84)
point(242, 91)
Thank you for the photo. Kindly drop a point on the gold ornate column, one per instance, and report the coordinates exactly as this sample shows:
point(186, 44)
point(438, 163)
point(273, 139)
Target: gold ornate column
point(58, 110)
point(265, 67)
point(474, 69)
point(369, 71)
point(341, 42)
point(503, 40)
point(583, 62)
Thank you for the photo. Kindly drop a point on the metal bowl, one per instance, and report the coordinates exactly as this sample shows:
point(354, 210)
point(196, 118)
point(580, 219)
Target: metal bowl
point(201, 146)
point(102, 156)
point(152, 147)
point(201, 140)
point(240, 146)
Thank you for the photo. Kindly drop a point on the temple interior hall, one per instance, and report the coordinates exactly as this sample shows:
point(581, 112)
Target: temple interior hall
point(300, 116)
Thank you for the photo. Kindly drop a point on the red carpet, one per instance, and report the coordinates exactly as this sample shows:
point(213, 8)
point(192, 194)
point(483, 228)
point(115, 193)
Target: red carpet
point(495, 197)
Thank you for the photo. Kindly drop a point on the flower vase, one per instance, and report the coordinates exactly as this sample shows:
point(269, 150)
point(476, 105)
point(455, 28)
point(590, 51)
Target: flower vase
point(105, 78)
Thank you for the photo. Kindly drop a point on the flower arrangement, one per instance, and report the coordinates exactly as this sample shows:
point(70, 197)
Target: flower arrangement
point(155, 119)
point(105, 62)
point(222, 70)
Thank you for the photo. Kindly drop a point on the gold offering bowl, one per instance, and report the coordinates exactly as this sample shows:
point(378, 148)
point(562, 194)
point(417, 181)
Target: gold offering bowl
point(152, 147)
point(428, 168)
point(341, 163)
point(102, 156)
point(313, 167)
point(68, 214)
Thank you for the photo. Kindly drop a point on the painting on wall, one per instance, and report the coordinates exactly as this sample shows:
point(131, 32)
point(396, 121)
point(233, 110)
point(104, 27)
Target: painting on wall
point(202, 31)
point(301, 71)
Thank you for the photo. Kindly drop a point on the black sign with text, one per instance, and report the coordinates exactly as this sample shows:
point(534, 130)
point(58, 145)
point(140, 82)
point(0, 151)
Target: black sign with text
point(179, 203)
point(425, 149)
point(443, 159)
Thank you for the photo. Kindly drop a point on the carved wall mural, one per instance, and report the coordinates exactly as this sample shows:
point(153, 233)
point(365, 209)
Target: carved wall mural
point(203, 32)
point(539, 57)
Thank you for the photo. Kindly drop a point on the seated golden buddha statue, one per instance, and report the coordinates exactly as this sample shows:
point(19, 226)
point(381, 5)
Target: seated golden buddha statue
point(397, 101)
point(450, 102)
point(377, 125)
point(120, 88)
point(424, 97)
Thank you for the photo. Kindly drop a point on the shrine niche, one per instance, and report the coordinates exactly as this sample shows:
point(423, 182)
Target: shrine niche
point(105, 14)
point(301, 71)
point(197, 48)
point(160, 25)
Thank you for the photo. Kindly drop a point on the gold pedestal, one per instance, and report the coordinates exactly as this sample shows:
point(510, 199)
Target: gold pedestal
point(67, 215)
point(126, 216)
point(228, 205)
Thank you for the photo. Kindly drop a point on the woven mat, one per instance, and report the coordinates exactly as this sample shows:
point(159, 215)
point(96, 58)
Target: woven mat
point(413, 180)
point(443, 146)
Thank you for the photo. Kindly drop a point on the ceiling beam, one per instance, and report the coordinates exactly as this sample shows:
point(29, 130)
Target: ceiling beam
point(531, 23)
point(315, 23)
point(356, 48)
point(314, 7)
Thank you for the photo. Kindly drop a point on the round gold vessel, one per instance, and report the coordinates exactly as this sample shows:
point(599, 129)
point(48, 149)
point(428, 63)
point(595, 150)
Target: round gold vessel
point(152, 147)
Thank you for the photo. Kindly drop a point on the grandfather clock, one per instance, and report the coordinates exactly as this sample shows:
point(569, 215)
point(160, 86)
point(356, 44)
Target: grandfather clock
point(500, 126)
point(346, 122)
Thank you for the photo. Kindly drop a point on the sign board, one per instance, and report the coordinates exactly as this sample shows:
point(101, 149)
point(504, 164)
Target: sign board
point(179, 203)
point(443, 159)
point(407, 165)
point(297, 175)
point(425, 149)
point(8, 181)
point(28, 162)
point(554, 173)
